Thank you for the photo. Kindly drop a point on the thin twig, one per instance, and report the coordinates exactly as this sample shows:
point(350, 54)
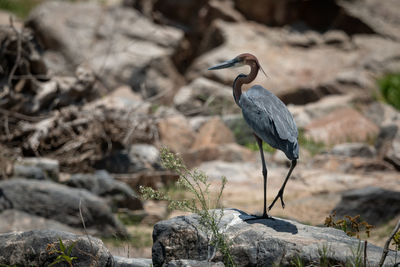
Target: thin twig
point(84, 226)
point(386, 247)
point(21, 116)
point(365, 253)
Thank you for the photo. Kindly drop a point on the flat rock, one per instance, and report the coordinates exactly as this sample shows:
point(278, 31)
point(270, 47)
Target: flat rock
point(102, 184)
point(375, 205)
point(257, 242)
point(32, 249)
point(60, 203)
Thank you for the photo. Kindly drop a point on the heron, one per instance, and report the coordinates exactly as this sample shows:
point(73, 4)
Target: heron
point(268, 117)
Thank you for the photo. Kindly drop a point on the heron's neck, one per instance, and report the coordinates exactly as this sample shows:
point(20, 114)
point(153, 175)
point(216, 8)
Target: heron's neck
point(244, 79)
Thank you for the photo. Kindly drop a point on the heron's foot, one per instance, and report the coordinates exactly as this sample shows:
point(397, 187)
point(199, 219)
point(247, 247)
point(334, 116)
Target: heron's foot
point(258, 217)
point(278, 196)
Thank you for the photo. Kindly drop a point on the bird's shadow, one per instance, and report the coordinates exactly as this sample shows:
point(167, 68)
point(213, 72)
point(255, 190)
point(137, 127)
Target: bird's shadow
point(277, 224)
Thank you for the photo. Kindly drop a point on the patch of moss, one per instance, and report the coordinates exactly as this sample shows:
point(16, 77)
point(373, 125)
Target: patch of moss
point(389, 86)
point(20, 8)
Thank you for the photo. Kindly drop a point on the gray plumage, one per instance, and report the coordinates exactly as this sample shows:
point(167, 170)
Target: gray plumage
point(268, 116)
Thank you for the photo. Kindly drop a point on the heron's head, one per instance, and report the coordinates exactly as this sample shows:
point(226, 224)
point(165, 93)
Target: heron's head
point(240, 60)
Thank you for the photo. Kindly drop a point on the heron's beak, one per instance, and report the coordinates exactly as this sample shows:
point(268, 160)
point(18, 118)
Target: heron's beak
point(226, 64)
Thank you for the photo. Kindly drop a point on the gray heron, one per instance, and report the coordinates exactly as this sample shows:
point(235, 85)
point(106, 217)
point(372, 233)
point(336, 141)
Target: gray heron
point(269, 118)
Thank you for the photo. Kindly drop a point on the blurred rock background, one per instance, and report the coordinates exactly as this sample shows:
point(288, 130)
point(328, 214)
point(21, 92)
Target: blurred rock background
point(90, 90)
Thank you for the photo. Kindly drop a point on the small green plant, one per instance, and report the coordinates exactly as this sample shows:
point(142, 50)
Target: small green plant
point(396, 241)
point(390, 89)
point(352, 226)
point(64, 253)
point(297, 262)
point(195, 182)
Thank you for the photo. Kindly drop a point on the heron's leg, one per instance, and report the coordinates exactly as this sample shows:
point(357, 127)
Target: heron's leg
point(280, 193)
point(264, 172)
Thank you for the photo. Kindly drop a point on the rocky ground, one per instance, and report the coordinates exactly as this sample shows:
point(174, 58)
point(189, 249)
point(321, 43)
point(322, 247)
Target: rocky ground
point(89, 92)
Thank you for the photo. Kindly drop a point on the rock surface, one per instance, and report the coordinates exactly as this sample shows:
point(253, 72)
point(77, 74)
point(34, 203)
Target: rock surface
point(140, 57)
point(61, 203)
point(102, 184)
point(32, 249)
point(131, 262)
point(37, 168)
point(305, 75)
point(258, 242)
point(354, 150)
point(375, 205)
point(342, 125)
point(12, 220)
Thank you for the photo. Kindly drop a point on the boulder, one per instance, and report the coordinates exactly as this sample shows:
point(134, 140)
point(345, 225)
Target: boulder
point(258, 242)
point(102, 184)
point(124, 47)
point(212, 133)
point(341, 125)
point(298, 75)
point(131, 262)
point(60, 203)
point(34, 248)
point(15, 220)
point(175, 133)
point(205, 97)
point(37, 168)
point(374, 205)
point(353, 150)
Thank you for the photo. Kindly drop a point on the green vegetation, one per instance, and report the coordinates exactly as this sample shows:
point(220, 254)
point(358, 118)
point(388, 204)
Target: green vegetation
point(200, 201)
point(20, 8)
point(312, 146)
point(390, 89)
point(396, 241)
point(64, 253)
point(254, 146)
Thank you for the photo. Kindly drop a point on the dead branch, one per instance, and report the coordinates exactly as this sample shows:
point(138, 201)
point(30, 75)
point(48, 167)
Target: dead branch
point(387, 244)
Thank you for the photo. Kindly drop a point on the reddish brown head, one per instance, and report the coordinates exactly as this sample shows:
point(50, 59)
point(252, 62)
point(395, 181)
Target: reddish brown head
point(240, 60)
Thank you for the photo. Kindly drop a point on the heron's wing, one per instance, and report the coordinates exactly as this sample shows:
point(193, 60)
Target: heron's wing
point(266, 113)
